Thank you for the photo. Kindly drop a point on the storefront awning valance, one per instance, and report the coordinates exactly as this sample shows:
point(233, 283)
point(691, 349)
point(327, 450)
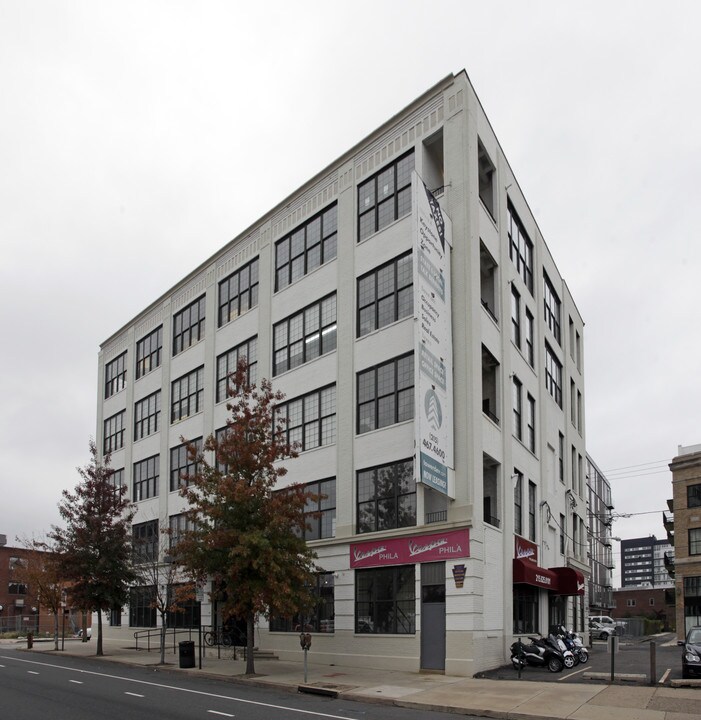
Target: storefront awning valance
point(528, 573)
point(569, 581)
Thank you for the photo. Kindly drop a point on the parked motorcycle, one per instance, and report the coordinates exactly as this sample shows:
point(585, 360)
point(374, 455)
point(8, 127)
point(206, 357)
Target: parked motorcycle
point(537, 653)
point(568, 657)
point(574, 643)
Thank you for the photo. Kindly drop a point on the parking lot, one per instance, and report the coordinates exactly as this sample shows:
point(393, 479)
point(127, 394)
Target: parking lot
point(632, 658)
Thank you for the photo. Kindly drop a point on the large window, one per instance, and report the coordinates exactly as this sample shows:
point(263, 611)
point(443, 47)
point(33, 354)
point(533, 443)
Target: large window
point(518, 502)
point(145, 541)
point(517, 410)
point(520, 248)
point(187, 395)
point(182, 466)
point(695, 541)
point(113, 433)
point(228, 362)
point(178, 524)
point(188, 325)
point(148, 352)
point(320, 513)
point(386, 497)
point(310, 419)
point(145, 481)
point(693, 496)
point(142, 609)
point(305, 335)
point(320, 619)
point(553, 375)
point(385, 197)
point(531, 511)
point(385, 600)
point(238, 293)
point(116, 375)
point(530, 423)
point(525, 610)
point(530, 355)
point(385, 294)
point(551, 307)
point(187, 614)
point(147, 415)
point(306, 248)
point(386, 394)
point(515, 317)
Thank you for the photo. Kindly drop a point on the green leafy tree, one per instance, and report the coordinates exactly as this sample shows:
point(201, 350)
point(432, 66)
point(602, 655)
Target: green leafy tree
point(244, 536)
point(94, 547)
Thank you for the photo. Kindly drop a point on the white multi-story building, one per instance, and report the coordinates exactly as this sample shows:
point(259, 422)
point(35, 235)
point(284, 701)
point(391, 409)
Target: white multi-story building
point(432, 363)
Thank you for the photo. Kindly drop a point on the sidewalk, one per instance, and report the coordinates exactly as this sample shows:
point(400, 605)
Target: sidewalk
point(466, 696)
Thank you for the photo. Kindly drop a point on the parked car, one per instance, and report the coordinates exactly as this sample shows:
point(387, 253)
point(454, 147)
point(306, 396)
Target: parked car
point(618, 626)
point(602, 632)
point(691, 655)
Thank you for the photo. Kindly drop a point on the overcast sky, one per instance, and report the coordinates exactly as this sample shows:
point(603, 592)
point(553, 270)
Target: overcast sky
point(136, 138)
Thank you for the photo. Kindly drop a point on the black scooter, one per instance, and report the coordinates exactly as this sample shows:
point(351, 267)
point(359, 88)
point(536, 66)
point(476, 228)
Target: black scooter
point(537, 653)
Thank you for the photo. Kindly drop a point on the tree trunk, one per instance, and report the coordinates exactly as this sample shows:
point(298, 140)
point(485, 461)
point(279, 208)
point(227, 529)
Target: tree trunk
point(99, 633)
point(250, 669)
point(56, 628)
point(163, 639)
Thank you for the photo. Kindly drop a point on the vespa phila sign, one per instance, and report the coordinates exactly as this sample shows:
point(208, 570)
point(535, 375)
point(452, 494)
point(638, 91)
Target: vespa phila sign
point(433, 340)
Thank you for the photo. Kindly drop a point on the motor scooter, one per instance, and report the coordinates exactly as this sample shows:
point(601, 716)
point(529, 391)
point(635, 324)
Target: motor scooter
point(574, 643)
point(537, 653)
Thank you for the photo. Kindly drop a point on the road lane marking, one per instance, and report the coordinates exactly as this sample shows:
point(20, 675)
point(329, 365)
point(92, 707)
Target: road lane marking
point(569, 675)
point(133, 694)
point(663, 679)
point(31, 672)
point(216, 712)
point(77, 682)
point(179, 689)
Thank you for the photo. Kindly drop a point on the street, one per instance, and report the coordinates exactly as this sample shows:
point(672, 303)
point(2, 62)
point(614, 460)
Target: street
point(67, 688)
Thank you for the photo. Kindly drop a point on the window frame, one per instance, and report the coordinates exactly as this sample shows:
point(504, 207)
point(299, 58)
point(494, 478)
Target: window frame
point(552, 309)
point(517, 408)
point(391, 505)
point(520, 247)
point(323, 613)
point(694, 537)
point(553, 375)
point(242, 299)
point(194, 314)
point(227, 364)
point(114, 439)
point(324, 326)
point(321, 399)
point(693, 499)
point(306, 243)
point(116, 375)
point(148, 540)
point(148, 361)
point(532, 511)
point(183, 402)
point(402, 579)
point(320, 513)
point(369, 203)
point(400, 311)
point(530, 423)
point(397, 393)
point(147, 424)
point(183, 464)
point(518, 503)
point(145, 486)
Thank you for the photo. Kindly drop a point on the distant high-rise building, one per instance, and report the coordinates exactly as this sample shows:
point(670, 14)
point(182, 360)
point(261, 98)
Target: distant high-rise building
point(643, 564)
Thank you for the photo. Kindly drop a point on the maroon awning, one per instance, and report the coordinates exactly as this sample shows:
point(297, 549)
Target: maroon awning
point(569, 581)
point(529, 573)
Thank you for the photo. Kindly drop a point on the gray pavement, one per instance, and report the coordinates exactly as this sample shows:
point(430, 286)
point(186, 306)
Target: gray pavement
point(467, 696)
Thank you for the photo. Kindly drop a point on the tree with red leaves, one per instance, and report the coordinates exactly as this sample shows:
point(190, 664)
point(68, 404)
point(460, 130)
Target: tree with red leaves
point(247, 538)
point(94, 548)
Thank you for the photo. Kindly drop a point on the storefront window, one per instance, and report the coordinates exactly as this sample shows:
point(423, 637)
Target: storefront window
point(385, 601)
point(525, 609)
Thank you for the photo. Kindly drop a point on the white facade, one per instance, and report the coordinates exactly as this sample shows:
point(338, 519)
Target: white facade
point(500, 390)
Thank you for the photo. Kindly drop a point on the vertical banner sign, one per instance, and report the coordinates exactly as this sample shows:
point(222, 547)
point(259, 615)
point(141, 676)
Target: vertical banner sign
point(433, 340)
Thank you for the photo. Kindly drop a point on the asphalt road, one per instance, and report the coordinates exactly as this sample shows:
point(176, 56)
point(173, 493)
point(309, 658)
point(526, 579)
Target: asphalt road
point(633, 658)
point(78, 689)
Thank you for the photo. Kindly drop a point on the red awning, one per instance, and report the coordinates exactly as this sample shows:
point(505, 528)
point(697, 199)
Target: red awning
point(569, 581)
point(529, 573)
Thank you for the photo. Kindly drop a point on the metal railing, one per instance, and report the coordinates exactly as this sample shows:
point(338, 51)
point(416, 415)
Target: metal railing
point(170, 634)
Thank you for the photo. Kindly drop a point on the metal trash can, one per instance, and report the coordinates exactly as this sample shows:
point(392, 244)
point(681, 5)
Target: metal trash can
point(186, 654)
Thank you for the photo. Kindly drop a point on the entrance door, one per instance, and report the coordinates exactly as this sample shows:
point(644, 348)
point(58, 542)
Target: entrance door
point(433, 616)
